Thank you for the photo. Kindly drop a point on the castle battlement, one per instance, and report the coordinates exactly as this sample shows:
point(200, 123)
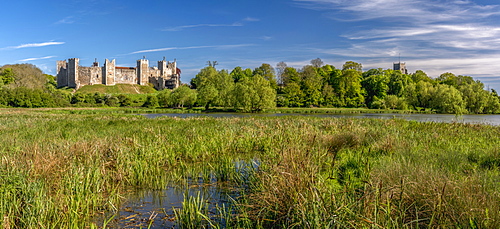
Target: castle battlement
point(165, 76)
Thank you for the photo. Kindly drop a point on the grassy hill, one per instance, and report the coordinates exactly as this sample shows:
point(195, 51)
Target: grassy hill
point(117, 89)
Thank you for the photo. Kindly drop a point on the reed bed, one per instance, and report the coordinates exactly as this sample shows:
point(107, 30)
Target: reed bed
point(61, 170)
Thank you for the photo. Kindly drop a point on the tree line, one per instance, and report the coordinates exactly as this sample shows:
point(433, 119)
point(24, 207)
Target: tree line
point(323, 85)
point(247, 90)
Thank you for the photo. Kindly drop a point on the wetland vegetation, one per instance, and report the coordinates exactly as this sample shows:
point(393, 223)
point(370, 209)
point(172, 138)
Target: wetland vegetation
point(66, 171)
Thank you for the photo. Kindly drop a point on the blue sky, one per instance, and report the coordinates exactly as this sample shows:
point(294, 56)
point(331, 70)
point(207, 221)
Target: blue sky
point(436, 36)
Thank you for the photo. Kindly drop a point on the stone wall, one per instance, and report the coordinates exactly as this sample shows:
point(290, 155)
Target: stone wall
point(71, 74)
point(125, 75)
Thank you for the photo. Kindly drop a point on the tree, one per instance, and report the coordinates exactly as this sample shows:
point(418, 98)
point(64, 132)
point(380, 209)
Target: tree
point(151, 102)
point(317, 63)
point(290, 75)
point(352, 65)
point(254, 94)
point(6, 76)
point(164, 98)
point(348, 87)
point(26, 75)
point(312, 84)
point(375, 85)
point(205, 82)
point(124, 100)
point(329, 95)
point(447, 99)
point(266, 71)
point(397, 82)
point(280, 71)
point(183, 96)
point(239, 74)
point(214, 88)
point(212, 63)
point(420, 75)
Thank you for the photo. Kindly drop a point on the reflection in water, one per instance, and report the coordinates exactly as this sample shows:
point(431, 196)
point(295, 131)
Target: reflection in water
point(476, 119)
point(155, 208)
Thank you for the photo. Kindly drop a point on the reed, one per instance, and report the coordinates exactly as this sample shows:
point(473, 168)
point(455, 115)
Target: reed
point(59, 170)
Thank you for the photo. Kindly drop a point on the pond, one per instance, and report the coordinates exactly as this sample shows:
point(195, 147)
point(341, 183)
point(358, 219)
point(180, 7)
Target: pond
point(157, 208)
point(475, 119)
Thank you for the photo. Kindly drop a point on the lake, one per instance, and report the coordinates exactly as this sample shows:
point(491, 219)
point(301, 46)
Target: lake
point(448, 118)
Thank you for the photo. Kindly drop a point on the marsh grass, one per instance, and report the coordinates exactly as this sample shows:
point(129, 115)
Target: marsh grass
point(59, 170)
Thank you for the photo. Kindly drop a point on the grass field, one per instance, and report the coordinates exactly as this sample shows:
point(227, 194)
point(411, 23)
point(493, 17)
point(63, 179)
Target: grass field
point(61, 169)
point(117, 89)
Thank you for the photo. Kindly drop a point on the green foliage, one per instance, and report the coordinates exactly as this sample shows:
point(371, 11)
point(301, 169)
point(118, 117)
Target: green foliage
point(398, 82)
point(239, 74)
point(151, 102)
point(312, 83)
point(183, 96)
point(164, 98)
point(214, 87)
point(394, 102)
point(6, 76)
point(254, 94)
point(351, 65)
point(267, 71)
point(25, 75)
point(375, 85)
point(294, 95)
point(124, 100)
point(447, 99)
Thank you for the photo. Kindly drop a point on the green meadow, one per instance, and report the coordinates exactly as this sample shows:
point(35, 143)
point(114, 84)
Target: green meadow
point(64, 168)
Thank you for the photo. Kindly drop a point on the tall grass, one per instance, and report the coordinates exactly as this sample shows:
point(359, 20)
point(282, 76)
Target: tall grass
point(60, 170)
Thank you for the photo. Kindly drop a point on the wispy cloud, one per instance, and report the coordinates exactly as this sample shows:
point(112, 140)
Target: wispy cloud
point(36, 58)
point(192, 47)
point(66, 20)
point(235, 24)
point(437, 36)
point(31, 45)
point(266, 38)
point(251, 19)
point(182, 27)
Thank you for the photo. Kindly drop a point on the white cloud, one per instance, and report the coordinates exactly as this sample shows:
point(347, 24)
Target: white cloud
point(36, 58)
point(35, 45)
point(192, 47)
point(182, 27)
point(66, 20)
point(251, 19)
point(235, 24)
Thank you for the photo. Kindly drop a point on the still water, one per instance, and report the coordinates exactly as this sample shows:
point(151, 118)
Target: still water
point(449, 118)
point(155, 208)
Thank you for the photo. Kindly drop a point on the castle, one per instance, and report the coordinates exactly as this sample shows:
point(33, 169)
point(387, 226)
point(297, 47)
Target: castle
point(71, 74)
point(401, 67)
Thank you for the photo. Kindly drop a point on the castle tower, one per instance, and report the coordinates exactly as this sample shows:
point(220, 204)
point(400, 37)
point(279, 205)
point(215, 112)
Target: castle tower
point(143, 71)
point(62, 73)
point(162, 66)
point(401, 67)
point(108, 75)
point(73, 80)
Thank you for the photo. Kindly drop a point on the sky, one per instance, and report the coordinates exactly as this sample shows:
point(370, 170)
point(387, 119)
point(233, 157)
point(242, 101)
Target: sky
point(436, 36)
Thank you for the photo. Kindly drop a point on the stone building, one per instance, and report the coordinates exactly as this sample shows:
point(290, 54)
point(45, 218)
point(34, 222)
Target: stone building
point(401, 67)
point(165, 76)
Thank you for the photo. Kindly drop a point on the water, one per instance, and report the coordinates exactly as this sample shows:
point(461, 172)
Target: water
point(448, 118)
point(155, 208)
